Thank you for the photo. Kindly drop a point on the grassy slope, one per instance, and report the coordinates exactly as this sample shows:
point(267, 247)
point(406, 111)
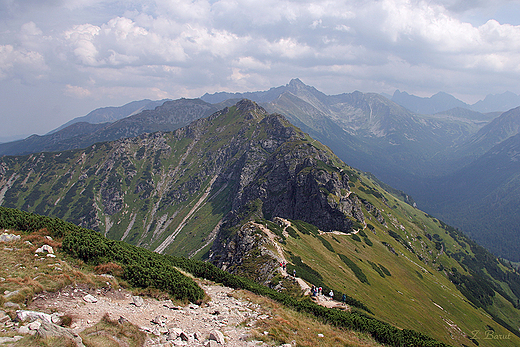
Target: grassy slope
point(416, 295)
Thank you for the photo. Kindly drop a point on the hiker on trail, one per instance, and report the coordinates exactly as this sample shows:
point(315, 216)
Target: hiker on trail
point(284, 265)
point(294, 273)
point(343, 298)
point(320, 290)
point(331, 294)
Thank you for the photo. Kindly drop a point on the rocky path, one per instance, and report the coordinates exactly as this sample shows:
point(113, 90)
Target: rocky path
point(272, 237)
point(228, 321)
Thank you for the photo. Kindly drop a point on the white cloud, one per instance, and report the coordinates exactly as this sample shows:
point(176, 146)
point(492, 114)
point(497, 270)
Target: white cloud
point(20, 63)
point(81, 38)
point(184, 47)
point(76, 91)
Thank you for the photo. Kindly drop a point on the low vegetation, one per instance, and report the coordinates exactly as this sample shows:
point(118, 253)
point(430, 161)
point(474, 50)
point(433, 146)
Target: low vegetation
point(94, 249)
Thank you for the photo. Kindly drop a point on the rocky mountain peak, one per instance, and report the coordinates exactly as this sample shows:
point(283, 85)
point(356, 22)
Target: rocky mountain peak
point(297, 83)
point(251, 109)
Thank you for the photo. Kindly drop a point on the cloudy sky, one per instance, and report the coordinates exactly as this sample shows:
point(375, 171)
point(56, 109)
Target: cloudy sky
point(60, 59)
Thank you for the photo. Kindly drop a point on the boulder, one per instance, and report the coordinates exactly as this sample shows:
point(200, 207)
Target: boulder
point(24, 329)
point(31, 316)
point(47, 330)
point(160, 320)
point(137, 301)
point(174, 333)
point(10, 304)
point(211, 343)
point(45, 248)
point(4, 317)
point(10, 340)
point(34, 325)
point(8, 295)
point(5, 237)
point(90, 299)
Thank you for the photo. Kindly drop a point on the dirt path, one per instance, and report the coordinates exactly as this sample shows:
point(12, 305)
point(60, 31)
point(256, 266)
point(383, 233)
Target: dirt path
point(320, 299)
point(327, 302)
point(272, 237)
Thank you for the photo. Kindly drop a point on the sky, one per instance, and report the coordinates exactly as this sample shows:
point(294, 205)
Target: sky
point(60, 59)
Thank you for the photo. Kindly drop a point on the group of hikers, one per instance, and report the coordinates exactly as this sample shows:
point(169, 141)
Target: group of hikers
point(315, 291)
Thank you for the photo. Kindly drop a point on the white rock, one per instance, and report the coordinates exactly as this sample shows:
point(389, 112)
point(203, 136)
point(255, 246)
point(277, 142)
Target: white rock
point(34, 325)
point(175, 332)
point(5, 237)
point(160, 320)
point(321, 335)
point(24, 329)
point(138, 301)
point(90, 299)
point(197, 336)
point(211, 343)
point(22, 315)
point(10, 339)
point(56, 318)
point(45, 248)
point(10, 304)
point(50, 255)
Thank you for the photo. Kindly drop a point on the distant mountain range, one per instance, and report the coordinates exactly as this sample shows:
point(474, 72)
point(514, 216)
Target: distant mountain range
point(434, 158)
point(442, 102)
point(169, 116)
point(429, 157)
point(112, 114)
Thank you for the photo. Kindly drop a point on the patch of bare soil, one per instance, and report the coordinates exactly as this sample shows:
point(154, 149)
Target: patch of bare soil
point(234, 318)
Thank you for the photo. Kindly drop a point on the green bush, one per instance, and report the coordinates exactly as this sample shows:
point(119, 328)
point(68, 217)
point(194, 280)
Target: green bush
point(357, 271)
point(326, 244)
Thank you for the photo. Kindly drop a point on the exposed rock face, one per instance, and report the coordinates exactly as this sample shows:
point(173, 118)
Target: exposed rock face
point(245, 253)
point(281, 175)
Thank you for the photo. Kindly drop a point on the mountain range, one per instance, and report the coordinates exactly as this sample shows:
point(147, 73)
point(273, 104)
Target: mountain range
point(442, 102)
point(419, 154)
point(245, 189)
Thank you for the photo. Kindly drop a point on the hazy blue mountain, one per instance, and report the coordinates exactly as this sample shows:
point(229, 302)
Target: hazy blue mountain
point(497, 102)
point(461, 112)
point(5, 139)
point(426, 156)
point(482, 198)
point(112, 114)
point(499, 129)
point(375, 134)
point(259, 96)
point(170, 116)
point(442, 102)
point(427, 105)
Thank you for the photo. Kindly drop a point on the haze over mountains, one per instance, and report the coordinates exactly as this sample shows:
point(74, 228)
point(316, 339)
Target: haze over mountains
point(441, 102)
point(432, 158)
